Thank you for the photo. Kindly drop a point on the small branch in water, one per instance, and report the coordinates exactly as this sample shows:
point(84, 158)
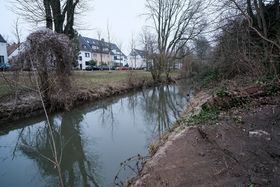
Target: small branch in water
point(140, 161)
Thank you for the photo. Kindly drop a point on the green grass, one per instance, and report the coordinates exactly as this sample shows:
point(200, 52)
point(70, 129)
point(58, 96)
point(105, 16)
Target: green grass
point(5, 90)
point(9, 81)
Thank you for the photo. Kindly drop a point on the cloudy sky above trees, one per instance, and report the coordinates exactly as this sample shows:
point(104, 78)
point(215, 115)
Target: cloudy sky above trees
point(124, 18)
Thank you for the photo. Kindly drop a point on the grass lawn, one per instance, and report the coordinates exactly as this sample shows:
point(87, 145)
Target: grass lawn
point(79, 79)
point(95, 79)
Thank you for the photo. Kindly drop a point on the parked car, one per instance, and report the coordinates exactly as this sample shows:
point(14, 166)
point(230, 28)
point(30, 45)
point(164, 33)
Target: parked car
point(113, 68)
point(92, 68)
point(124, 68)
point(104, 67)
point(141, 68)
point(95, 68)
point(5, 66)
point(88, 68)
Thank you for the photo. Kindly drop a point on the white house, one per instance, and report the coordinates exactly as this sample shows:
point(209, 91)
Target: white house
point(85, 54)
point(15, 49)
point(3, 51)
point(118, 58)
point(137, 59)
point(100, 51)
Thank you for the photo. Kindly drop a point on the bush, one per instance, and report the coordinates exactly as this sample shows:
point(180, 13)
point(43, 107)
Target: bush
point(50, 55)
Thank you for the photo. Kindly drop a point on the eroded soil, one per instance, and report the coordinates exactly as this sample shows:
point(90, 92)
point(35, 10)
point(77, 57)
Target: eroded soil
point(242, 149)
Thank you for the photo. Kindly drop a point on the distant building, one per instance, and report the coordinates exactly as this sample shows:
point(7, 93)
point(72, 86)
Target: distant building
point(137, 59)
point(14, 49)
point(99, 51)
point(3, 51)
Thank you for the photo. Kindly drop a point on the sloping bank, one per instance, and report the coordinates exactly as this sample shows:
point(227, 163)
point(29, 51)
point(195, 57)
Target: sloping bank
point(29, 105)
point(230, 139)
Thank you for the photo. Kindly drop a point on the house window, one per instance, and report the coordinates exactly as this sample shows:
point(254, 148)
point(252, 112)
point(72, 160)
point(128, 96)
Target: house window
point(1, 59)
point(80, 58)
point(87, 63)
point(86, 54)
point(115, 58)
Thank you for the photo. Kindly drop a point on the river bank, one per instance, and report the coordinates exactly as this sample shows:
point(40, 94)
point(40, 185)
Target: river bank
point(230, 138)
point(84, 90)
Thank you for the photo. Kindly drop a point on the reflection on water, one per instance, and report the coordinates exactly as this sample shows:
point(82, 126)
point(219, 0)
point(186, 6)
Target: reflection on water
point(91, 141)
point(76, 168)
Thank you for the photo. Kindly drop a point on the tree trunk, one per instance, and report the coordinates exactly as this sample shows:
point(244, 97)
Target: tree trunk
point(276, 2)
point(47, 6)
point(258, 15)
point(68, 30)
point(264, 25)
point(57, 16)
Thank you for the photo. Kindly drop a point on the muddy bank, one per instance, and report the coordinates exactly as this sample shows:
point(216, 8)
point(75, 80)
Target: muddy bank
point(29, 104)
point(241, 148)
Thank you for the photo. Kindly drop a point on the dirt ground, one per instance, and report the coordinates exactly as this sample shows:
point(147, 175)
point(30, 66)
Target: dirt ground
point(242, 149)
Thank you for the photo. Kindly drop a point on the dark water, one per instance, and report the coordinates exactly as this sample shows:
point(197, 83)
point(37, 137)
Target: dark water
point(91, 140)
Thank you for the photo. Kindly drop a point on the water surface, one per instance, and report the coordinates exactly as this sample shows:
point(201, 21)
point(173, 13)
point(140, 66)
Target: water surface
point(91, 140)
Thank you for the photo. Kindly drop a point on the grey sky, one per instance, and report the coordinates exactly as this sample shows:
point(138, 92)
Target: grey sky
point(123, 16)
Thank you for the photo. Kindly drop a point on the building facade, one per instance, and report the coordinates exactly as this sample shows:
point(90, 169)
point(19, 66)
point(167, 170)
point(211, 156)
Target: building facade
point(100, 52)
point(3, 51)
point(137, 59)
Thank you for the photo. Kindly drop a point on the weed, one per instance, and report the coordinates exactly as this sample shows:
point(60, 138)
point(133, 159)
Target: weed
point(266, 80)
point(270, 83)
point(153, 148)
point(210, 76)
point(222, 92)
point(250, 185)
point(238, 119)
point(206, 114)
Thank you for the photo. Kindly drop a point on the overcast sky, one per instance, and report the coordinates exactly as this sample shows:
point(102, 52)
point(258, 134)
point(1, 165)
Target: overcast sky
point(124, 17)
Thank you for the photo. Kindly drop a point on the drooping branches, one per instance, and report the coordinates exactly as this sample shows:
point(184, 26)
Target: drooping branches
point(48, 53)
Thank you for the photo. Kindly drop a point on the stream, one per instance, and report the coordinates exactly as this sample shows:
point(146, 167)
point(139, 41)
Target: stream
point(91, 140)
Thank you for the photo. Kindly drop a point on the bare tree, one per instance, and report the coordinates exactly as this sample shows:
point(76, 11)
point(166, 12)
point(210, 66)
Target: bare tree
point(17, 32)
point(176, 22)
point(148, 41)
point(119, 45)
point(262, 19)
point(133, 53)
point(202, 47)
point(58, 15)
point(100, 45)
point(109, 46)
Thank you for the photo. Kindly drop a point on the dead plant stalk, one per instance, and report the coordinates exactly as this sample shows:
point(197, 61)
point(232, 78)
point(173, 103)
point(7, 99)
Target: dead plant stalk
point(56, 161)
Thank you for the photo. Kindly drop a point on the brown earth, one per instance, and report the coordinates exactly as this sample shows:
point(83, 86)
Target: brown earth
point(241, 149)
